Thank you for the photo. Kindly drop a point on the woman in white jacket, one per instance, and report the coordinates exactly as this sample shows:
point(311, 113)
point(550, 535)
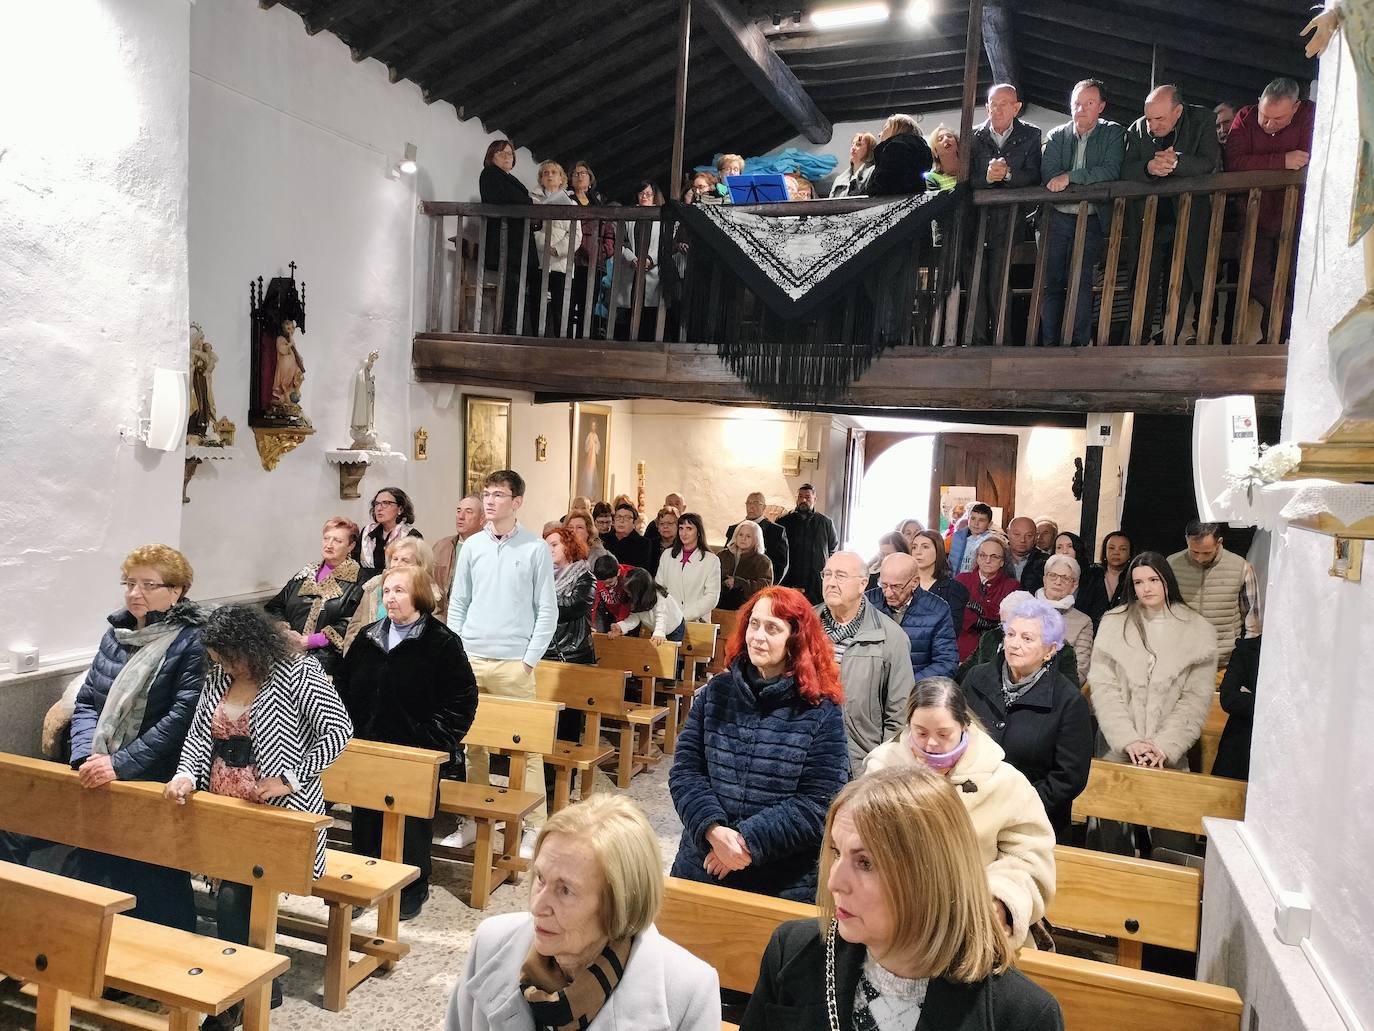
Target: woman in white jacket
point(1014, 835)
point(587, 953)
point(555, 238)
point(690, 571)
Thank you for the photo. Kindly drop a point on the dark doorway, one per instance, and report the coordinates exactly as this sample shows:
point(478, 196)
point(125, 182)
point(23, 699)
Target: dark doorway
point(984, 461)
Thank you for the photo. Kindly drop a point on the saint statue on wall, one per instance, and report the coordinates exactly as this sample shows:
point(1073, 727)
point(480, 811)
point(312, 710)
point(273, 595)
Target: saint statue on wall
point(201, 426)
point(278, 370)
point(363, 424)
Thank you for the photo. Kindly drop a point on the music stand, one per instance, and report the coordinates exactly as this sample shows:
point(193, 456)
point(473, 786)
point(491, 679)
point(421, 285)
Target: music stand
point(757, 189)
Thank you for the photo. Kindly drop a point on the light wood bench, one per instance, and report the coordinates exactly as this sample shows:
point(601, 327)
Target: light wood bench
point(730, 929)
point(1211, 733)
point(56, 938)
point(514, 727)
point(726, 620)
point(1170, 799)
point(397, 782)
point(270, 848)
point(596, 693)
point(698, 648)
point(647, 663)
point(1136, 901)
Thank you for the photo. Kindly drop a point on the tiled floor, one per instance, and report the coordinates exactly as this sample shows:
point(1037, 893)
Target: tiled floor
point(415, 995)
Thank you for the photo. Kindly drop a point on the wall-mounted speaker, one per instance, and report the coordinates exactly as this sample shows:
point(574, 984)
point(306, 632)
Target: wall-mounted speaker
point(168, 411)
point(1225, 438)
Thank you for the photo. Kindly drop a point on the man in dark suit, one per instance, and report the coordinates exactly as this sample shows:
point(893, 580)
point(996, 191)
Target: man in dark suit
point(811, 540)
point(1005, 155)
point(1171, 141)
point(774, 537)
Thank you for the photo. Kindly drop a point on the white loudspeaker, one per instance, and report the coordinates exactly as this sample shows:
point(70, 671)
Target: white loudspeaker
point(1225, 437)
point(168, 411)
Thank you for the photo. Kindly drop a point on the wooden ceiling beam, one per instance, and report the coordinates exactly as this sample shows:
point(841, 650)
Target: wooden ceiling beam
point(877, 112)
point(719, 130)
point(725, 22)
point(468, 37)
point(880, 71)
point(332, 15)
point(1169, 33)
point(395, 29)
point(946, 25)
point(913, 87)
point(862, 56)
point(1196, 89)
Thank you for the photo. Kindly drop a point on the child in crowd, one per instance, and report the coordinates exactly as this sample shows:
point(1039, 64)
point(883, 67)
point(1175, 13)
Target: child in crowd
point(652, 606)
point(611, 605)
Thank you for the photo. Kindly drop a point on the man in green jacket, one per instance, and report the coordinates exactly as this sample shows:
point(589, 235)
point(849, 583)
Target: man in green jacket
point(1081, 152)
point(1171, 141)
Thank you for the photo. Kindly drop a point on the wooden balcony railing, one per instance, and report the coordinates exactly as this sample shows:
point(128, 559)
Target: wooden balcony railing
point(480, 253)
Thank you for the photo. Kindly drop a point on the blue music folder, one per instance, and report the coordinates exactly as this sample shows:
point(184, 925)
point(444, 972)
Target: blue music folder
point(757, 189)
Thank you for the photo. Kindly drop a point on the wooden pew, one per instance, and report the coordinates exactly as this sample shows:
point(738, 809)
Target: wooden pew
point(269, 848)
point(56, 936)
point(726, 620)
point(730, 930)
point(646, 662)
point(397, 782)
point(698, 648)
point(1211, 733)
point(1170, 799)
point(596, 693)
point(514, 727)
point(1136, 901)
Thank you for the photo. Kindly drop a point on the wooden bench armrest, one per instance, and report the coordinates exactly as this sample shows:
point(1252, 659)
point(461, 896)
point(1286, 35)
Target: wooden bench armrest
point(490, 803)
point(361, 880)
point(646, 714)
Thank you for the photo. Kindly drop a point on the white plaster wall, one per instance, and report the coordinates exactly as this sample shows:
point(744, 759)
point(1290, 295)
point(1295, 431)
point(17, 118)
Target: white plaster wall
point(1312, 784)
point(290, 145)
point(93, 298)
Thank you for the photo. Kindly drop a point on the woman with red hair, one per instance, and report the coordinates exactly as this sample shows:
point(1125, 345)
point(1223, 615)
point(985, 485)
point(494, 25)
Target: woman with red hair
point(762, 754)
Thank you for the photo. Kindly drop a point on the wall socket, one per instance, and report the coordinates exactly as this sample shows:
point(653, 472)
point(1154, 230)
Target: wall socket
point(23, 659)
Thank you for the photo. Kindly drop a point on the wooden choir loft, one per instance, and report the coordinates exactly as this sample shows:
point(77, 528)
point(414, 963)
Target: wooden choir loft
point(598, 79)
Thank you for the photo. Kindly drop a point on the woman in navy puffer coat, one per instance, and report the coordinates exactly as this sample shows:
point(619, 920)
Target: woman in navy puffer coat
point(762, 754)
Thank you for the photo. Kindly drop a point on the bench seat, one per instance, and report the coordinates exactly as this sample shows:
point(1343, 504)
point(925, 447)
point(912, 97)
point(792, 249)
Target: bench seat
point(487, 806)
point(568, 756)
point(354, 880)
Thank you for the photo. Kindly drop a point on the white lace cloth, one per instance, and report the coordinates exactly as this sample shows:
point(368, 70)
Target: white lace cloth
point(1346, 502)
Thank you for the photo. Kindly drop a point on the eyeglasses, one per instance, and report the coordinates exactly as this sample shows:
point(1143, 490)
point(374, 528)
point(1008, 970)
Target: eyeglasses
point(141, 586)
point(897, 587)
point(382, 503)
point(1059, 578)
point(990, 558)
point(494, 495)
point(838, 577)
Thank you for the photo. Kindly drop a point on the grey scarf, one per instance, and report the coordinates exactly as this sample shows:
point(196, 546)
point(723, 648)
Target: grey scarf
point(1012, 691)
point(565, 579)
point(122, 717)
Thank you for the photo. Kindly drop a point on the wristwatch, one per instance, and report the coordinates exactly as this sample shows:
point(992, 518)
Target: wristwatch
point(291, 780)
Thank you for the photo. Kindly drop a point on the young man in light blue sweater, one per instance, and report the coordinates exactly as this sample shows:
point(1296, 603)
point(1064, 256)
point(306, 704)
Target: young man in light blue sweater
point(503, 608)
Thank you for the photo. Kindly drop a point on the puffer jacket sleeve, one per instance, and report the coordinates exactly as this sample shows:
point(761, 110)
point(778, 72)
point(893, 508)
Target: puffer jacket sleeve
point(944, 645)
point(90, 700)
point(1183, 726)
point(796, 824)
point(1022, 875)
point(320, 709)
point(900, 680)
point(689, 782)
point(162, 740)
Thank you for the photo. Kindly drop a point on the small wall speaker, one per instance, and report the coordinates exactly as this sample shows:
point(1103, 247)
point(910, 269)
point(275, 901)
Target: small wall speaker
point(168, 411)
point(23, 659)
point(1225, 437)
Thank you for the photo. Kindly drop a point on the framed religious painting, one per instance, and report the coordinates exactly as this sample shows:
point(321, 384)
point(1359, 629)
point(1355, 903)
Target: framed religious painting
point(486, 439)
point(591, 445)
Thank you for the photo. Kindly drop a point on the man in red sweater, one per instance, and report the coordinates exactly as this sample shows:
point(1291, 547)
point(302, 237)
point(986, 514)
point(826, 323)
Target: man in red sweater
point(1273, 135)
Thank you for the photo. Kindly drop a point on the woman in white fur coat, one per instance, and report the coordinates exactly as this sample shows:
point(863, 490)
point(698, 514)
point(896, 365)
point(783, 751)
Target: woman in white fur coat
point(1014, 834)
point(1153, 670)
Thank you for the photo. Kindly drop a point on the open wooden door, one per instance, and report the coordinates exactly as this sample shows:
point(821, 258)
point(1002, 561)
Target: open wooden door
point(984, 461)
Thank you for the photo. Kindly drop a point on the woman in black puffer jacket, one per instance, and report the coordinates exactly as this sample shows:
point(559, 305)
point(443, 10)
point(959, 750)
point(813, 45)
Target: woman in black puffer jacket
point(900, 160)
point(134, 710)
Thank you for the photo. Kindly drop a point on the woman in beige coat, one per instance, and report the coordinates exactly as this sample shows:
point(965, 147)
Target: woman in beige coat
point(1015, 838)
point(744, 568)
point(1061, 585)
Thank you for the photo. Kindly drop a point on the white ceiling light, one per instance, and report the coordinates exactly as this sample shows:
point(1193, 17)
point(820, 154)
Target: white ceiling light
point(407, 165)
point(849, 15)
point(918, 12)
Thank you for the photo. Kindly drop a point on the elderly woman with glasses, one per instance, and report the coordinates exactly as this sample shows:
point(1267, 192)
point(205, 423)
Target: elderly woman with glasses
point(987, 584)
point(134, 709)
point(393, 517)
point(1036, 713)
point(1061, 585)
point(317, 603)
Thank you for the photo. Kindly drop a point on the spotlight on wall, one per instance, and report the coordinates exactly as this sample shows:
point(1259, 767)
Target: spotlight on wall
point(407, 165)
point(849, 15)
point(918, 12)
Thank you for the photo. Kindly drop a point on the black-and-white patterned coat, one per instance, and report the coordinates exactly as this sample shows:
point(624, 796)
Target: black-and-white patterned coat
point(298, 724)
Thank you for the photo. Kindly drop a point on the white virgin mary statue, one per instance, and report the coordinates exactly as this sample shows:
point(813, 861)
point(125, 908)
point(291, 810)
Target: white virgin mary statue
point(364, 421)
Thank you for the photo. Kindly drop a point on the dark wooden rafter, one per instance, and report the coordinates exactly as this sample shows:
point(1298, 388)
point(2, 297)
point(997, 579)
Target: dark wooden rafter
point(999, 41)
point(941, 79)
point(469, 38)
point(1131, 80)
point(708, 131)
point(727, 25)
point(330, 15)
point(862, 58)
point(884, 72)
point(880, 99)
point(947, 25)
point(392, 31)
point(877, 112)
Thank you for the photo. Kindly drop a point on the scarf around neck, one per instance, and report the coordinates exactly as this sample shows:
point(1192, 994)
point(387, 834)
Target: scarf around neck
point(1011, 691)
point(560, 1004)
point(121, 718)
point(565, 579)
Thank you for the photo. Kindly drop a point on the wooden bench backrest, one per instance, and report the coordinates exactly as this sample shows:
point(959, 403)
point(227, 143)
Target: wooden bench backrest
point(1170, 799)
point(585, 688)
point(699, 642)
point(221, 837)
point(638, 656)
point(514, 725)
point(387, 778)
point(729, 929)
point(1211, 733)
point(1107, 894)
point(56, 931)
point(726, 620)
point(1095, 996)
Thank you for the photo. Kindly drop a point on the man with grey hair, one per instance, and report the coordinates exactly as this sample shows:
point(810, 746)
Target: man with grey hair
point(1171, 141)
point(468, 519)
point(1273, 135)
point(1005, 153)
point(873, 654)
point(1225, 113)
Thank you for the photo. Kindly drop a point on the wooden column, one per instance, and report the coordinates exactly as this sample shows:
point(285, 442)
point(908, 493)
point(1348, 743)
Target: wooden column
point(1092, 490)
point(973, 48)
point(684, 39)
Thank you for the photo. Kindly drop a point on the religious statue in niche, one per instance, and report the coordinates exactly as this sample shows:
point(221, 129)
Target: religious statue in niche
point(276, 367)
point(202, 427)
point(363, 424)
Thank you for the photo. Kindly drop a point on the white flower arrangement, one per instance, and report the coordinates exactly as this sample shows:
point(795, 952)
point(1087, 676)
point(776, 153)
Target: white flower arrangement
point(1275, 462)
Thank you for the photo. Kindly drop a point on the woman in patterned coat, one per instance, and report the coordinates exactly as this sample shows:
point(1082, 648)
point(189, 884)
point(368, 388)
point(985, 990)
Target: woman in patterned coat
point(317, 603)
point(268, 723)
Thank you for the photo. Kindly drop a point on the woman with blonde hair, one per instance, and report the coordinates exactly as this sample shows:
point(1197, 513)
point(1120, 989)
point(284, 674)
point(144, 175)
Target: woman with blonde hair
point(890, 950)
point(744, 568)
point(853, 182)
point(404, 551)
point(900, 159)
point(587, 954)
point(946, 160)
point(553, 240)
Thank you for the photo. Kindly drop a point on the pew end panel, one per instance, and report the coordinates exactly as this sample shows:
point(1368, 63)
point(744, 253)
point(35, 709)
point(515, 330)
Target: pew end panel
point(648, 663)
point(1170, 799)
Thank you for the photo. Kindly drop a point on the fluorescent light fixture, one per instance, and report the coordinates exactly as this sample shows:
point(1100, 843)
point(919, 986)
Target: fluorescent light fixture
point(407, 165)
point(918, 12)
point(849, 15)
